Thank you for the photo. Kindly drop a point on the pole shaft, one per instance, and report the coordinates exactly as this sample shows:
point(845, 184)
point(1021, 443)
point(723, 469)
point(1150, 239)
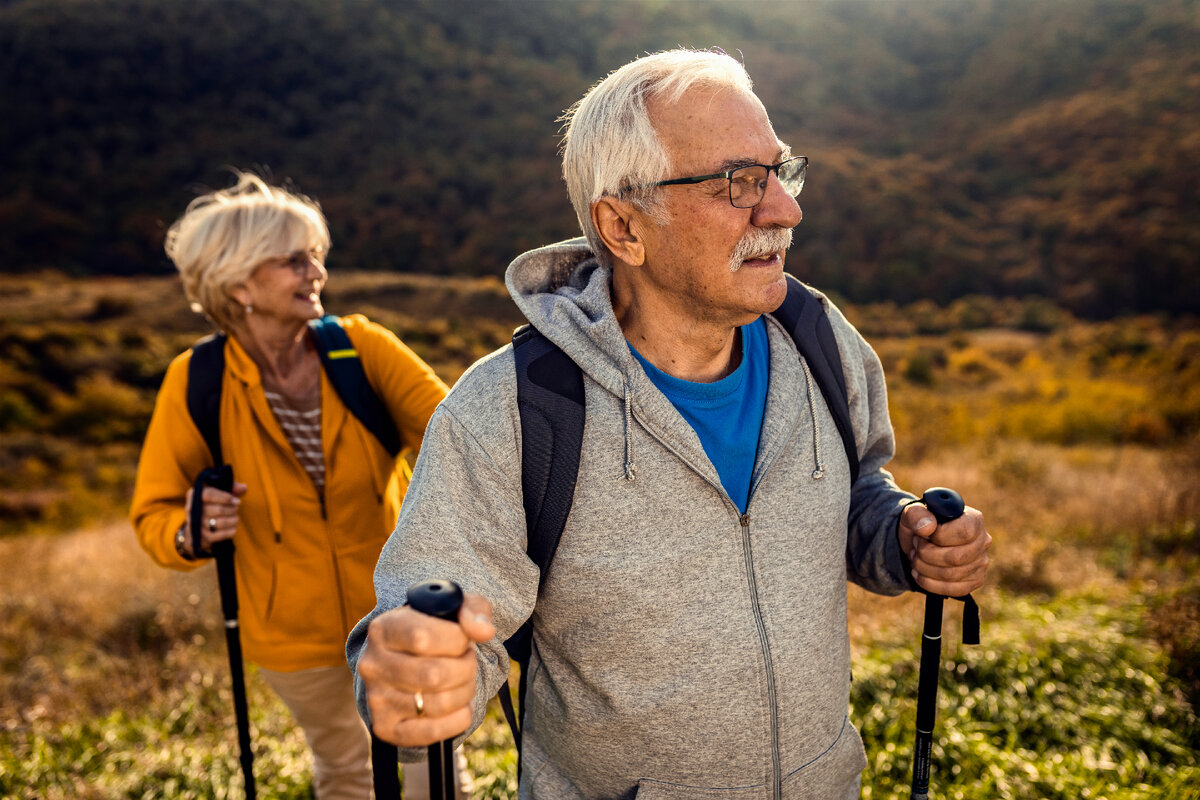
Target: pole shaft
point(384, 769)
point(946, 505)
point(227, 581)
point(931, 656)
point(441, 770)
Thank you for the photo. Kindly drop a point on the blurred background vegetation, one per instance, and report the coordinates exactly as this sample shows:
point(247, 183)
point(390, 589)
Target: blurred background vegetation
point(1003, 198)
point(999, 147)
point(1080, 439)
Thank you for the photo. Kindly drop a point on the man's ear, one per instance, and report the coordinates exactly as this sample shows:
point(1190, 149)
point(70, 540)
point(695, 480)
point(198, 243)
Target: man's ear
point(616, 222)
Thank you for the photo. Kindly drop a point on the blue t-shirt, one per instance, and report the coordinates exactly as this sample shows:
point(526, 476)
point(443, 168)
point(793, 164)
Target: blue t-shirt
point(727, 415)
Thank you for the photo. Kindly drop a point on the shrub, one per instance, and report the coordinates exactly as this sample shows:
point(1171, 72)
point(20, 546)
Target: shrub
point(921, 364)
point(1040, 315)
point(1174, 621)
point(16, 413)
point(103, 411)
point(974, 366)
point(110, 306)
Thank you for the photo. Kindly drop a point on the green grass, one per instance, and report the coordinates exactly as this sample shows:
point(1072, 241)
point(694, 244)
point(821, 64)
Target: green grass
point(182, 746)
point(1067, 699)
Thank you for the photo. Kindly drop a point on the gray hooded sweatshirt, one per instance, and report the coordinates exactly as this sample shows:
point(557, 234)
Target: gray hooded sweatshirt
point(681, 649)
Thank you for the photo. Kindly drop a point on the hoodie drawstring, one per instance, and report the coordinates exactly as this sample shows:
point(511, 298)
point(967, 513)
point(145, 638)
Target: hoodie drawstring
point(630, 467)
point(818, 462)
point(377, 481)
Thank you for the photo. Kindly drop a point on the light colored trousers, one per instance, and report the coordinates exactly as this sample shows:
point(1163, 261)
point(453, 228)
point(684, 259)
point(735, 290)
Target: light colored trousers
point(322, 701)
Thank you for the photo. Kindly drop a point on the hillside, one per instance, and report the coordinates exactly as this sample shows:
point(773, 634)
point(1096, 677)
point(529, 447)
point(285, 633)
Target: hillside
point(1024, 147)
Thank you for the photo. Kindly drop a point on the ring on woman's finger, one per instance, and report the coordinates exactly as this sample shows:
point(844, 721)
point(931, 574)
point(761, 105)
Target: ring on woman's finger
point(212, 523)
point(419, 702)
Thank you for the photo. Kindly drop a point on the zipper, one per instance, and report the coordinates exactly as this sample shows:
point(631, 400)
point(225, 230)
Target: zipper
point(744, 522)
point(341, 594)
point(776, 767)
point(337, 568)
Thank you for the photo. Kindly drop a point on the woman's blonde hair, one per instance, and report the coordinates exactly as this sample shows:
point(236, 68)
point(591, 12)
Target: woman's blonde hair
point(224, 235)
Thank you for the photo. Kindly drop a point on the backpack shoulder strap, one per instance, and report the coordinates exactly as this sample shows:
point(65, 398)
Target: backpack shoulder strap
point(345, 371)
point(550, 400)
point(805, 319)
point(205, 373)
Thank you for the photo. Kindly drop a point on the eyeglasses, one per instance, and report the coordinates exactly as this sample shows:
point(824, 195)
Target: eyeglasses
point(748, 185)
point(299, 261)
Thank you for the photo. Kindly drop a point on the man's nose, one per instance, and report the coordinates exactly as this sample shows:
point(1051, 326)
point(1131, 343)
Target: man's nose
point(777, 208)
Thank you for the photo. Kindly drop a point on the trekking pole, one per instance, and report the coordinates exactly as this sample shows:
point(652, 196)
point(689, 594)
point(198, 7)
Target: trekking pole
point(440, 599)
point(222, 478)
point(946, 505)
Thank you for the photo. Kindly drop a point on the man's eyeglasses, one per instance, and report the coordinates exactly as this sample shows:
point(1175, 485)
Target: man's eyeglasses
point(748, 185)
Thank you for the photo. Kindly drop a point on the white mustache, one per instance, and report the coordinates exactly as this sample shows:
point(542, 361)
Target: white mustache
point(758, 242)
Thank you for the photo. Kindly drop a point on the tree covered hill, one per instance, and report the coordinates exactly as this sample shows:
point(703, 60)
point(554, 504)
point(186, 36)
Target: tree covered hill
point(1007, 147)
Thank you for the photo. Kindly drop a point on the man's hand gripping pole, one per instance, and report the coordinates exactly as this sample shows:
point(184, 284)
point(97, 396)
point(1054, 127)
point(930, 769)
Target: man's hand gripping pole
point(441, 599)
point(946, 505)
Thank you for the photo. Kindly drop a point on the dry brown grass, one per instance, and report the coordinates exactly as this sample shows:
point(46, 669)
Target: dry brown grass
point(91, 625)
point(1063, 520)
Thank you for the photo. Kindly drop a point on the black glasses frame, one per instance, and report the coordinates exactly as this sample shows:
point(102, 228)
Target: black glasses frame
point(728, 175)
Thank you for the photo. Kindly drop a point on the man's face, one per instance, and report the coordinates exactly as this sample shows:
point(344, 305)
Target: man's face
point(695, 258)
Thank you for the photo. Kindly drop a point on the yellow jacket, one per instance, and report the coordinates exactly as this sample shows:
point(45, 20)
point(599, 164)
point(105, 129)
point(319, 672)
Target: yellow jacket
point(304, 571)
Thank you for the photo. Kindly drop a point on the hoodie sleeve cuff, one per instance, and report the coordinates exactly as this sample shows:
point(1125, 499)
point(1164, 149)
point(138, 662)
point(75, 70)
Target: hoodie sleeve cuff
point(906, 565)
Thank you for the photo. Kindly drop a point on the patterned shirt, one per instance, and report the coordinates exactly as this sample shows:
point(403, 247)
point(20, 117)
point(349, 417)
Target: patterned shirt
point(302, 426)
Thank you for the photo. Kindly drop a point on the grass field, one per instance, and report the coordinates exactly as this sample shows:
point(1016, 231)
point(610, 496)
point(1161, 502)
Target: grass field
point(1078, 440)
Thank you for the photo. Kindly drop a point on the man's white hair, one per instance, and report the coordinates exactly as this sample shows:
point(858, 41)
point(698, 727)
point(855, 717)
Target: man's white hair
point(610, 147)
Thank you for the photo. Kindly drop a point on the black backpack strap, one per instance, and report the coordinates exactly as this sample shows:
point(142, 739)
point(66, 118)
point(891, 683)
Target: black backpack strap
point(550, 400)
point(805, 319)
point(345, 371)
point(510, 713)
point(551, 403)
point(206, 370)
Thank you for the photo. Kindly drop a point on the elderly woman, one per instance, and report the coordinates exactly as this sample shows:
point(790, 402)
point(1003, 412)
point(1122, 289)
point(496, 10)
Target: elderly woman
point(316, 494)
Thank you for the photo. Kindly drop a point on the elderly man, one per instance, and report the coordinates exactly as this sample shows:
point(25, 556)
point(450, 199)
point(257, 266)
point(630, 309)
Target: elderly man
point(690, 638)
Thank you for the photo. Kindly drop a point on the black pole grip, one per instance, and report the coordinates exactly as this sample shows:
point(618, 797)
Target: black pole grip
point(220, 477)
point(946, 505)
point(441, 599)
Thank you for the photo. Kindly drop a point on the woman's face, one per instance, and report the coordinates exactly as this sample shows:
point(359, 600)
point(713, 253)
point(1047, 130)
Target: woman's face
point(287, 288)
